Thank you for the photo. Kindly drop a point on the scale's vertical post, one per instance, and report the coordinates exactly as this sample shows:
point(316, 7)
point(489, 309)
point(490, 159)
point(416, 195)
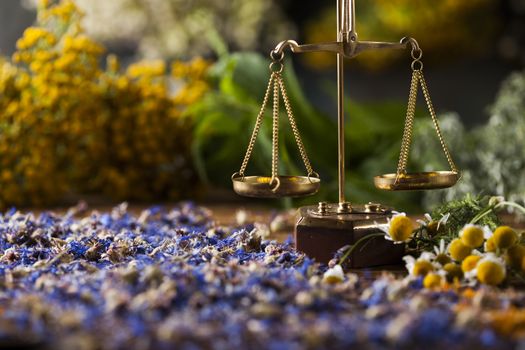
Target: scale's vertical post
point(345, 28)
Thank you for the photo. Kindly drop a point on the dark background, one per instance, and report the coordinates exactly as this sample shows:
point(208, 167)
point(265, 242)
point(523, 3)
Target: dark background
point(464, 83)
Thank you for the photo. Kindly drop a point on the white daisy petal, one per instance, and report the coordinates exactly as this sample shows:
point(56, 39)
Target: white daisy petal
point(334, 275)
point(427, 256)
point(444, 219)
point(487, 233)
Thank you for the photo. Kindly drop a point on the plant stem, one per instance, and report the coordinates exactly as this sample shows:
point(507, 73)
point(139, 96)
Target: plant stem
point(354, 246)
point(512, 204)
point(482, 214)
point(491, 208)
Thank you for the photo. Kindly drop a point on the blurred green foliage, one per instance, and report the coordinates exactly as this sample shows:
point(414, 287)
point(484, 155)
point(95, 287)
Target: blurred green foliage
point(491, 157)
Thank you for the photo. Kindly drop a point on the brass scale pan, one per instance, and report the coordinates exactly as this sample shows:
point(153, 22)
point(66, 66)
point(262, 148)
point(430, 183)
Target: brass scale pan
point(285, 186)
point(416, 181)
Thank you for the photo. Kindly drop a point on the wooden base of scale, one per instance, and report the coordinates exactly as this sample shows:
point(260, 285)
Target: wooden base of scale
point(322, 230)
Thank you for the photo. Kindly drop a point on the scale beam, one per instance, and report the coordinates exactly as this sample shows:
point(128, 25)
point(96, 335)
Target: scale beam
point(347, 49)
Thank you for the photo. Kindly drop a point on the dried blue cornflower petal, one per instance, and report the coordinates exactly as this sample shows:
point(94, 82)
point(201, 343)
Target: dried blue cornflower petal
point(168, 278)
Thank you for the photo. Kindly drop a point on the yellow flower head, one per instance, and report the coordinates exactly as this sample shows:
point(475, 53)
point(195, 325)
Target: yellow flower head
point(33, 36)
point(334, 275)
point(491, 270)
point(457, 250)
point(504, 237)
point(399, 228)
point(490, 246)
point(473, 236)
point(434, 227)
point(147, 69)
point(443, 259)
point(453, 271)
point(514, 256)
point(112, 63)
point(441, 253)
point(470, 262)
point(420, 267)
point(432, 280)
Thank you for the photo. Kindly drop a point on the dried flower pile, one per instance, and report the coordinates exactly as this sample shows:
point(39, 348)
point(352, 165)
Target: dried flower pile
point(171, 278)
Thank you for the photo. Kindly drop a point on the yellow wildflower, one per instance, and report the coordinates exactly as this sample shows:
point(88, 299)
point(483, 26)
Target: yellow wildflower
point(112, 63)
point(458, 251)
point(422, 267)
point(60, 107)
point(334, 275)
point(470, 262)
point(432, 280)
point(472, 236)
point(419, 267)
point(398, 229)
point(441, 255)
point(453, 272)
point(491, 270)
point(505, 237)
point(148, 69)
point(514, 256)
point(179, 69)
point(32, 37)
point(490, 246)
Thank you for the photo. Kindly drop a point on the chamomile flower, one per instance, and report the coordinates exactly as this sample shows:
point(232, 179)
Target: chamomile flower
point(334, 275)
point(441, 253)
point(432, 226)
point(432, 280)
point(398, 229)
point(489, 245)
point(458, 251)
point(514, 256)
point(470, 263)
point(504, 237)
point(473, 236)
point(452, 272)
point(421, 266)
point(491, 270)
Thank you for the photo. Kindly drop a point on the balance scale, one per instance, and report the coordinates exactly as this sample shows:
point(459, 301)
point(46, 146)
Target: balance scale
point(324, 228)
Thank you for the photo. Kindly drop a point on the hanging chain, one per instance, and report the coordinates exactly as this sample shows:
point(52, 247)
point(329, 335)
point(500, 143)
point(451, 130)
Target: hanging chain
point(257, 127)
point(275, 130)
point(277, 84)
point(295, 130)
point(409, 124)
point(418, 79)
point(435, 122)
